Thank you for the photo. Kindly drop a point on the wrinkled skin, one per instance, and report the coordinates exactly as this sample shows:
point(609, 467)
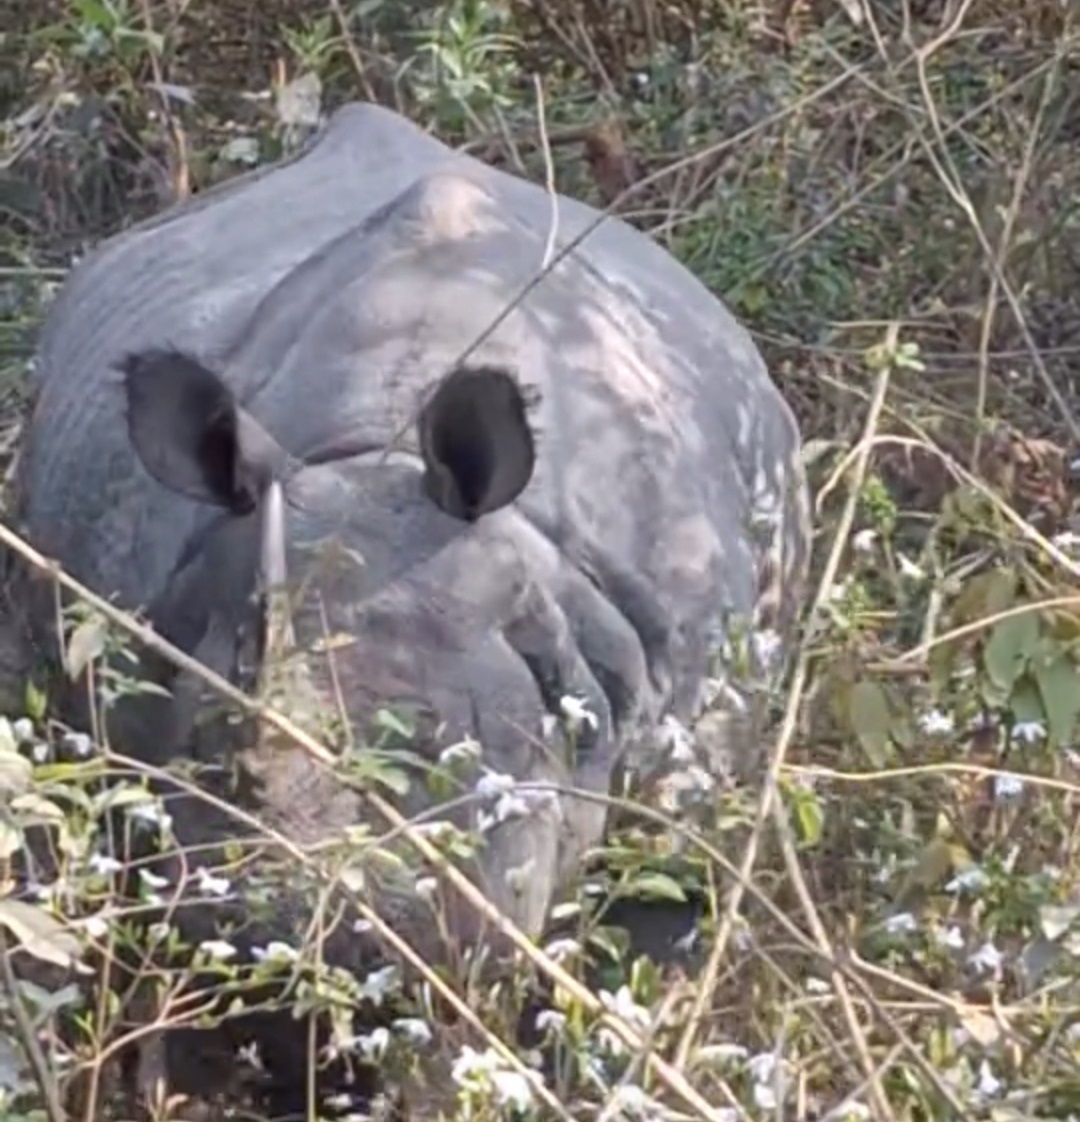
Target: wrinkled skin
point(324, 297)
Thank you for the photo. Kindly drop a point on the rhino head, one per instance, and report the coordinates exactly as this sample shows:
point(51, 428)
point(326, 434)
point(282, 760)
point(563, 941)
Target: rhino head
point(437, 595)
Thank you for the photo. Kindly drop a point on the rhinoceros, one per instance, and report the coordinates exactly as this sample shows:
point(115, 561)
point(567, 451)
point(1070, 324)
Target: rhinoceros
point(541, 512)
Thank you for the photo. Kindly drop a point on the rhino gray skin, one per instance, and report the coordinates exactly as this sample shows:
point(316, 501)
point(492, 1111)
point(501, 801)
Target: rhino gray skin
point(322, 299)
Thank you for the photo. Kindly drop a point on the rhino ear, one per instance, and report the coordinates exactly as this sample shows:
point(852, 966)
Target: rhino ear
point(190, 433)
point(476, 442)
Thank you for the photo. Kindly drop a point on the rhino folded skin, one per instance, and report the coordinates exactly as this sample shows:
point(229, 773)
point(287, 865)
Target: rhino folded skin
point(658, 490)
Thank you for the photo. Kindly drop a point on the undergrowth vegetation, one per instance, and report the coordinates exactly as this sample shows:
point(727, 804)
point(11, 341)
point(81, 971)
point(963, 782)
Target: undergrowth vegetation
point(888, 194)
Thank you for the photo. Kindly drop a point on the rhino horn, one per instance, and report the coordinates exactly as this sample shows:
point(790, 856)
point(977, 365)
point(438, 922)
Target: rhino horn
point(191, 434)
point(284, 681)
point(278, 618)
point(478, 450)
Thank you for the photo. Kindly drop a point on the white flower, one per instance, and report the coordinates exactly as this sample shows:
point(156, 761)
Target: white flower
point(949, 937)
point(152, 880)
point(79, 743)
point(472, 1066)
point(23, 730)
point(414, 1028)
point(249, 1054)
point(936, 723)
point(437, 830)
point(763, 1071)
point(817, 985)
point(217, 948)
point(901, 924)
point(908, 568)
point(623, 1005)
point(724, 1053)
point(275, 952)
point(481, 1071)
point(363, 926)
point(102, 864)
point(762, 1066)
point(863, 541)
point(1067, 540)
point(378, 984)
point(1029, 732)
point(699, 779)
point(512, 1089)
point(493, 785)
point(465, 750)
point(766, 645)
point(972, 878)
point(675, 737)
point(209, 885)
point(577, 713)
point(989, 1085)
point(150, 813)
point(1008, 787)
point(426, 887)
point(987, 958)
point(559, 949)
point(373, 1044)
point(550, 1019)
point(96, 926)
point(855, 1112)
point(511, 806)
point(630, 1100)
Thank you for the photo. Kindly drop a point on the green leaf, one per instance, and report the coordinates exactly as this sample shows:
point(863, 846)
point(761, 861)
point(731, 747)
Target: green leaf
point(657, 886)
point(1012, 642)
point(871, 720)
point(35, 702)
point(116, 797)
point(1026, 703)
point(985, 595)
point(392, 722)
point(40, 934)
point(95, 13)
point(374, 768)
point(16, 771)
point(37, 807)
point(11, 840)
point(808, 814)
point(86, 644)
point(937, 859)
point(1059, 687)
point(612, 941)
